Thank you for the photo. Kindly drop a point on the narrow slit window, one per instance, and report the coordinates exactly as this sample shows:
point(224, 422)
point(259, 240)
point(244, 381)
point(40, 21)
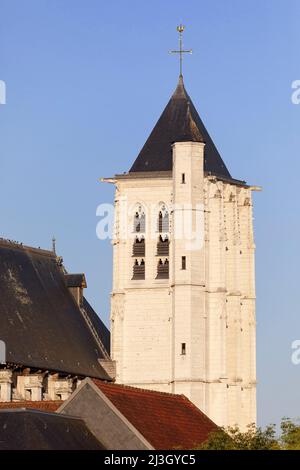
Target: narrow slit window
point(183, 349)
point(183, 263)
point(183, 178)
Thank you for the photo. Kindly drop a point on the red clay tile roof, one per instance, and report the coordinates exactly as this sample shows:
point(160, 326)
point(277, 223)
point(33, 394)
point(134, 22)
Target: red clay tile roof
point(166, 420)
point(36, 405)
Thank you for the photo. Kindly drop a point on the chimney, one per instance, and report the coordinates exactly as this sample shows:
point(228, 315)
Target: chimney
point(76, 283)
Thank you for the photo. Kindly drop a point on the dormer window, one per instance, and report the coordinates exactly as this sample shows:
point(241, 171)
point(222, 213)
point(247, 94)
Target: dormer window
point(76, 283)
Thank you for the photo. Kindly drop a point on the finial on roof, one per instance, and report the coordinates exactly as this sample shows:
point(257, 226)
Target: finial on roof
point(54, 245)
point(181, 51)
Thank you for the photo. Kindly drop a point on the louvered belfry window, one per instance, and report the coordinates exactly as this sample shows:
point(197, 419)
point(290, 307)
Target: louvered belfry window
point(139, 269)
point(139, 247)
point(163, 269)
point(163, 246)
point(139, 244)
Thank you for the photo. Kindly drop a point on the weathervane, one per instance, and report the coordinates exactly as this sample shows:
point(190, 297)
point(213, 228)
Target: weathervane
point(181, 51)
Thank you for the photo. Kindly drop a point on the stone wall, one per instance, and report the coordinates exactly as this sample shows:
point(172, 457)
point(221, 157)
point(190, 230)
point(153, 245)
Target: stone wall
point(193, 333)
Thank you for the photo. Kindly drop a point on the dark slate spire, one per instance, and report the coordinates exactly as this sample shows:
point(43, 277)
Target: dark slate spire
point(179, 122)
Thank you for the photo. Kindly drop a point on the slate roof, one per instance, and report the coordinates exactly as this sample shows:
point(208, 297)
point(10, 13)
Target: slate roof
point(179, 122)
point(35, 430)
point(40, 322)
point(102, 330)
point(167, 421)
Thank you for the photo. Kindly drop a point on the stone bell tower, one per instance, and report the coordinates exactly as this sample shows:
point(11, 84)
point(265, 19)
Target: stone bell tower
point(183, 298)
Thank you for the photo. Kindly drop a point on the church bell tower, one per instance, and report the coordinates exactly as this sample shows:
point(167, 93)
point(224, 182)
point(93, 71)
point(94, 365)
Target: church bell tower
point(183, 298)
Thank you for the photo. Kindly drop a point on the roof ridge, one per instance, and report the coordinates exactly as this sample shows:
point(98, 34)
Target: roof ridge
point(75, 274)
point(192, 123)
point(6, 243)
point(139, 389)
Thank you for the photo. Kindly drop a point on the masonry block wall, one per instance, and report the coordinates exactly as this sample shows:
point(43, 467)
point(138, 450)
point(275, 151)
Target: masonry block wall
point(193, 332)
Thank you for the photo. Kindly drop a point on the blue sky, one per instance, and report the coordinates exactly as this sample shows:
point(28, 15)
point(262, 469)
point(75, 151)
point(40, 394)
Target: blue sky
point(86, 81)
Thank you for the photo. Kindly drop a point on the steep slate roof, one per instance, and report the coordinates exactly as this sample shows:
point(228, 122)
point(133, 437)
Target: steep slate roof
point(35, 430)
point(179, 122)
point(40, 322)
point(167, 421)
point(102, 330)
point(46, 405)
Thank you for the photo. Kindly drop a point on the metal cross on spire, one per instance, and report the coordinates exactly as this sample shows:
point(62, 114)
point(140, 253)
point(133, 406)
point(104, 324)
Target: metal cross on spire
point(181, 51)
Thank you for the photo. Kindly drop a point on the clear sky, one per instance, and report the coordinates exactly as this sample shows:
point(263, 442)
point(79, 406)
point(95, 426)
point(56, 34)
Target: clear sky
point(86, 81)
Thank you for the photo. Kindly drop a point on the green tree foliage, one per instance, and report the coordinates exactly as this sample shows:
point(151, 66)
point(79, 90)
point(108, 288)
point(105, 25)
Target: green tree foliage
point(233, 439)
point(255, 438)
point(290, 435)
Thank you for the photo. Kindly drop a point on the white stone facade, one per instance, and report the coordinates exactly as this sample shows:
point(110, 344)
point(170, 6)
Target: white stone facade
point(5, 385)
point(59, 388)
point(29, 387)
point(193, 333)
point(25, 386)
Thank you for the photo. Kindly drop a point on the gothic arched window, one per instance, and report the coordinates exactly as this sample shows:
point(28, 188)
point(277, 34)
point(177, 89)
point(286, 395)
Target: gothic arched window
point(163, 219)
point(139, 223)
point(139, 245)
